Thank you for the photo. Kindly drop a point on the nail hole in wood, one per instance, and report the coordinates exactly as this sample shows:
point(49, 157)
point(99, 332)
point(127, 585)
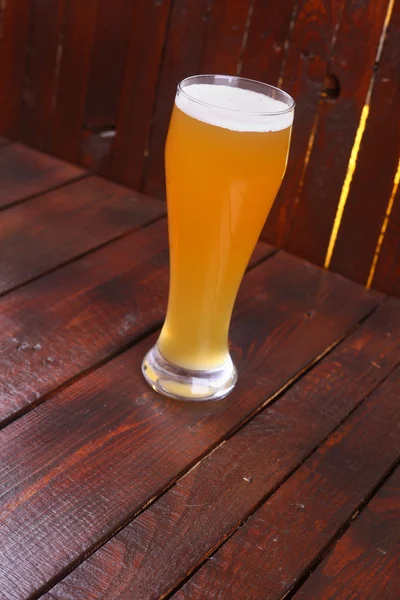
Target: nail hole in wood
point(331, 87)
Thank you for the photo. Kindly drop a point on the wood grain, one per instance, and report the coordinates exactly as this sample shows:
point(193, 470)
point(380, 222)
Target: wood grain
point(265, 50)
point(161, 546)
point(181, 59)
point(71, 319)
point(352, 62)
point(202, 38)
point(13, 49)
point(139, 89)
point(41, 72)
point(369, 195)
point(25, 172)
point(365, 562)
point(94, 306)
point(223, 38)
point(273, 549)
point(110, 49)
point(45, 232)
point(303, 78)
point(388, 267)
point(103, 447)
point(67, 119)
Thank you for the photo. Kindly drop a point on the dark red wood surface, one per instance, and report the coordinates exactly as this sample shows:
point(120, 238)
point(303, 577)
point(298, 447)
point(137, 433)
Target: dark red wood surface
point(121, 287)
point(67, 120)
point(379, 153)
point(310, 508)
point(365, 563)
point(111, 423)
point(139, 89)
point(109, 490)
point(387, 274)
point(352, 62)
point(69, 221)
point(303, 74)
point(25, 173)
point(13, 44)
point(110, 46)
point(167, 541)
point(268, 37)
point(46, 31)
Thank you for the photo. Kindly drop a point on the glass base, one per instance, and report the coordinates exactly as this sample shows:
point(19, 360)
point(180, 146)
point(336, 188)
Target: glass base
point(184, 384)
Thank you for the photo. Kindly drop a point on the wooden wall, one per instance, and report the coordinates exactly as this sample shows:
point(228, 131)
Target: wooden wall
point(93, 82)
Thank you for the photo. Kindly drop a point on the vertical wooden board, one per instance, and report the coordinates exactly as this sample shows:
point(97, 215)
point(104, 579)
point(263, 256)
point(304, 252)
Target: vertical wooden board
point(280, 542)
point(387, 274)
point(181, 59)
point(365, 563)
point(67, 121)
point(173, 536)
point(352, 63)
point(139, 89)
point(223, 39)
point(377, 162)
point(303, 78)
point(268, 35)
point(13, 52)
point(45, 38)
point(109, 55)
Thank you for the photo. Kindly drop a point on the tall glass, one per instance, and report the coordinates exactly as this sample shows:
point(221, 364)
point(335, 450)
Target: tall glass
point(226, 156)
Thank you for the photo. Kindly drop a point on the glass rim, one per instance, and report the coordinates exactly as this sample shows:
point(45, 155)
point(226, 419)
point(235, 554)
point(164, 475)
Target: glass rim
point(288, 109)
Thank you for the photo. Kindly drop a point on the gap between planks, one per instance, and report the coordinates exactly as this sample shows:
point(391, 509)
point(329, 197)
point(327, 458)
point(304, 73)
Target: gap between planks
point(318, 559)
point(53, 188)
point(341, 532)
point(267, 403)
point(85, 253)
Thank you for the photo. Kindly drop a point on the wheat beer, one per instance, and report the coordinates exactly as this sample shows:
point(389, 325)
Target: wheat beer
point(226, 155)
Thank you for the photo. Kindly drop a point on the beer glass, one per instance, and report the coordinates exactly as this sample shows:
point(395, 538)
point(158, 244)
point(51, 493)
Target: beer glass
point(225, 158)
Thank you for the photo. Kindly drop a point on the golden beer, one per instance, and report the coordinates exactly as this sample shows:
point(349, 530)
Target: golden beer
point(226, 155)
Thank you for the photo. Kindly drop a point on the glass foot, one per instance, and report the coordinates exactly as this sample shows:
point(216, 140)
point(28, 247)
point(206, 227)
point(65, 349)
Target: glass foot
point(184, 384)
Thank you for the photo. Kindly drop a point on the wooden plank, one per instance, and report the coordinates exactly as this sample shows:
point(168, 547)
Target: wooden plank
point(303, 78)
point(110, 48)
point(25, 172)
point(67, 121)
point(181, 59)
point(364, 563)
point(149, 26)
point(113, 440)
point(48, 231)
point(223, 40)
point(369, 195)
point(353, 64)
point(93, 308)
point(45, 37)
point(268, 36)
point(174, 535)
point(13, 49)
point(388, 267)
point(112, 285)
point(264, 559)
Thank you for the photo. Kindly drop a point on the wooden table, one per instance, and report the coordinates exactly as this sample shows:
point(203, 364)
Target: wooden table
point(289, 486)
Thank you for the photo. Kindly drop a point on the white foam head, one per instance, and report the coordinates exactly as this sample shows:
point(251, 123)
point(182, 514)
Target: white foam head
point(234, 108)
